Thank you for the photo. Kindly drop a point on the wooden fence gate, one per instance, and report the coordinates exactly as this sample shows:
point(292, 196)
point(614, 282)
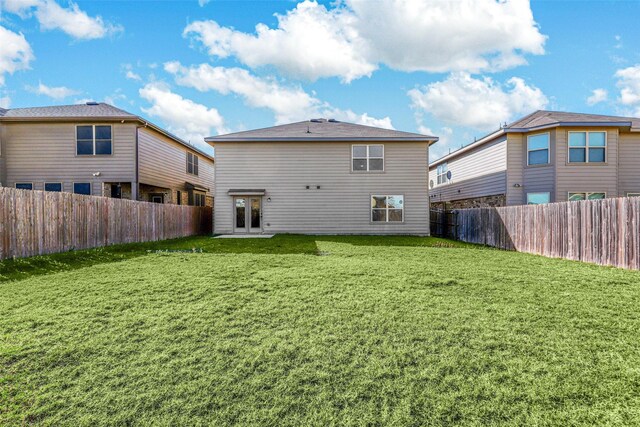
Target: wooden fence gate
point(443, 223)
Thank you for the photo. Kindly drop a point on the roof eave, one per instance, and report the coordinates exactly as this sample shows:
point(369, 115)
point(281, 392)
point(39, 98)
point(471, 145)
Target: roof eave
point(430, 139)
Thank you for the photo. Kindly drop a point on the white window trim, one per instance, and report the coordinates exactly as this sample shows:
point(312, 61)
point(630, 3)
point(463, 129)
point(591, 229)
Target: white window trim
point(371, 196)
point(443, 175)
point(540, 149)
point(539, 192)
point(24, 182)
point(73, 188)
point(586, 193)
point(367, 158)
point(193, 164)
point(94, 140)
point(586, 147)
point(44, 186)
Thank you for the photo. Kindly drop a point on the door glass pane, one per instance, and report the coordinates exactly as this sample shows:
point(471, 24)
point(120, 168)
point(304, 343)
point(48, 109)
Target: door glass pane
point(597, 139)
point(577, 155)
point(255, 213)
point(596, 155)
point(577, 139)
point(240, 213)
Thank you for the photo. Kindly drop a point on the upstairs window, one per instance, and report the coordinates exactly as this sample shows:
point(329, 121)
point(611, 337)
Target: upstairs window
point(587, 147)
point(442, 170)
point(24, 186)
point(93, 140)
point(367, 158)
point(387, 208)
point(192, 164)
point(538, 149)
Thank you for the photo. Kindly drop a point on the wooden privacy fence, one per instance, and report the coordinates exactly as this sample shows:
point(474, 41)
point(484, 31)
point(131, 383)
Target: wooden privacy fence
point(37, 222)
point(605, 232)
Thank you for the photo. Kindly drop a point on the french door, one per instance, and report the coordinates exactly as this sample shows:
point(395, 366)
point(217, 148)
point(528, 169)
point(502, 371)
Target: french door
point(247, 214)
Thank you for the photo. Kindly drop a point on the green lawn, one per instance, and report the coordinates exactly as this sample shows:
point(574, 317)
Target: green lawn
point(321, 331)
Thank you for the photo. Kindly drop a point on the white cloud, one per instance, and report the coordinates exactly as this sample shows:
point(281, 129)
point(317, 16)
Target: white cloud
point(184, 117)
point(288, 103)
point(350, 39)
point(71, 20)
point(203, 2)
point(597, 96)
point(444, 144)
point(133, 76)
point(477, 103)
point(15, 53)
point(310, 42)
point(59, 92)
point(5, 102)
point(629, 85)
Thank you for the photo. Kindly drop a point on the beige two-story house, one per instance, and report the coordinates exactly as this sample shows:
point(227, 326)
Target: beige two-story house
point(321, 177)
point(98, 149)
point(547, 156)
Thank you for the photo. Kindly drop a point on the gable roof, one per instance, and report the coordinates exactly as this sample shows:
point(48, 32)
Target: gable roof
point(543, 119)
point(318, 130)
point(88, 111)
point(560, 118)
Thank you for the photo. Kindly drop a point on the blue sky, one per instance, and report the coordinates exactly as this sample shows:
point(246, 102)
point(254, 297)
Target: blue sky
point(453, 69)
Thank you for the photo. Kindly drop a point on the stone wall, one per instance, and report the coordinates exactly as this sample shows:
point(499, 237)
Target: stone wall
point(496, 200)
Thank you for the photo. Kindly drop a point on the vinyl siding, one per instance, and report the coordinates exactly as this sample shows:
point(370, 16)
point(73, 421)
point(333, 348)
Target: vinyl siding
point(629, 165)
point(573, 177)
point(3, 178)
point(46, 152)
point(515, 169)
point(163, 163)
point(341, 205)
point(477, 173)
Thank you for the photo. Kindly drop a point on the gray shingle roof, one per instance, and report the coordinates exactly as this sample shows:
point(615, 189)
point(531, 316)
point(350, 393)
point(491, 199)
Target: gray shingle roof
point(546, 118)
point(318, 130)
point(63, 111)
point(2, 111)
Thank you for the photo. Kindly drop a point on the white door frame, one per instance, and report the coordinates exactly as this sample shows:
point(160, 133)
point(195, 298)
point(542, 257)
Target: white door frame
point(246, 202)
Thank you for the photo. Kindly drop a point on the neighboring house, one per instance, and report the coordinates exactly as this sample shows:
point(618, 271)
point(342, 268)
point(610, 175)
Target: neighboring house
point(322, 177)
point(98, 149)
point(544, 157)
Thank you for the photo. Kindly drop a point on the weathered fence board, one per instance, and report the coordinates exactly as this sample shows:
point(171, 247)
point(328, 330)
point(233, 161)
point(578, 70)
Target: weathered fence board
point(38, 223)
point(605, 232)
